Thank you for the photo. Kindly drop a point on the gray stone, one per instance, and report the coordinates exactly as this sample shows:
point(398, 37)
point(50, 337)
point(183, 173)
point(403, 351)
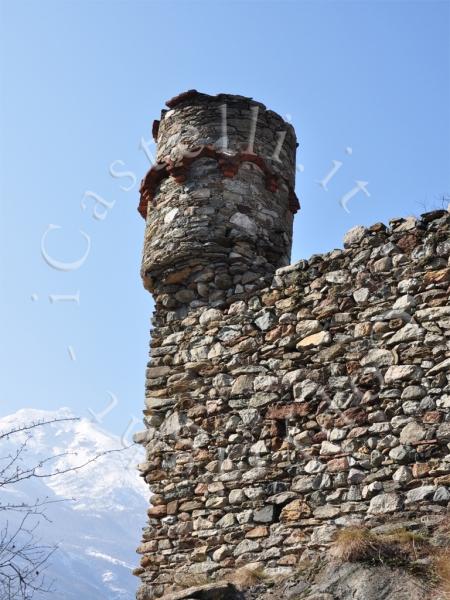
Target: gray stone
point(264, 515)
point(442, 366)
point(172, 424)
point(402, 475)
point(397, 373)
point(413, 392)
point(221, 553)
point(254, 493)
point(432, 314)
point(412, 433)
point(385, 503)
point(228, 520)
point(305, 390)
point(323, 535)
point(291, 377)
point(303, 484)
point(443, 401)
point(307, 327)
point(400, 454)
point(236, 496)
point(250, 416)
point(265, 383)
point(441, 495)
point(361, 295)
point(382, 265)
point(405, 303)
point(201, 440)
point(245, 517)
point(255, 474)
point(261, 399)
point(339, 277)
point(245, 547)
point(378, 358)
point(185, 295)
point(209, 316)
point(242, 385)
point(354, 236)
point(258, 447)
point(159, 403)
point(410, 407)
point(329, 448)
point(314, 466)
point(420, 493)
point(408, 333)
point(317, 339)
point(358, 581)
point(210, 591)
point(443, 432)
point(355, 476)
point(265, 321)
point(244, 222)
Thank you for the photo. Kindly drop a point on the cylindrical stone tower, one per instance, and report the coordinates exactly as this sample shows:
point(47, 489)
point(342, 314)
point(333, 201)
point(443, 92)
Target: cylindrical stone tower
point(219, 206)
point(220, 201)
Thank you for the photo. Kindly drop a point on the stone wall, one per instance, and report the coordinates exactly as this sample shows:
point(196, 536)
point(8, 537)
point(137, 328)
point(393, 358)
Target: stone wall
point(279, 412)
point(322, 399)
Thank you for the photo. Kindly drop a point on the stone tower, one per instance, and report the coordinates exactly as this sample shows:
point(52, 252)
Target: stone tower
point(220, 201)
point(219, 206)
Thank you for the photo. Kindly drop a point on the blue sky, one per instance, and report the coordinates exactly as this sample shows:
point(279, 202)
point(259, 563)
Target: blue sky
point(81, 83)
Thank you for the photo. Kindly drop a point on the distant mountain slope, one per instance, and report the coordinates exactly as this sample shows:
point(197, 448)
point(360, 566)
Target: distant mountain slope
point(99, 524)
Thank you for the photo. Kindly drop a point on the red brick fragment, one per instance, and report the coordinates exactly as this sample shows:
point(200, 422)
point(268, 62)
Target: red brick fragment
point(181, 98)
point(288, 411)
point(229, 165)
point(155, 130)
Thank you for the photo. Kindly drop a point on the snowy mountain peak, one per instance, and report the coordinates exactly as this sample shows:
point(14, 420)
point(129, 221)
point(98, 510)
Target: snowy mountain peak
point(108, 464)
point(101, 505)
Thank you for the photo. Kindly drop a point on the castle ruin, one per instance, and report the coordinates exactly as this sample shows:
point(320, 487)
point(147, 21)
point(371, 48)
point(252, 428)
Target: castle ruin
point(283, 402)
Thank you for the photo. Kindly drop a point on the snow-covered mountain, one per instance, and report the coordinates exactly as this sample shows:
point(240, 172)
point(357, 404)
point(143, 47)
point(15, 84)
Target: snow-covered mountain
point(100, 508)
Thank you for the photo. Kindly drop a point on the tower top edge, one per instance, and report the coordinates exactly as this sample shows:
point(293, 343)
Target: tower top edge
point(193, 97)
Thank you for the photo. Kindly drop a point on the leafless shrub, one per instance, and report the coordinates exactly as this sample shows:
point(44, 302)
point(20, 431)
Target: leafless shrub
point(23, 556)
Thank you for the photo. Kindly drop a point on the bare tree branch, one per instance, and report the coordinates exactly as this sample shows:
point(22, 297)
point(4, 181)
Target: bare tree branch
point(23, 556)
point(33, 425)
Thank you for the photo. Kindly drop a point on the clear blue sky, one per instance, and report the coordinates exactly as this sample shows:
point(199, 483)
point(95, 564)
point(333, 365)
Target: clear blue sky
point(81, 84)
